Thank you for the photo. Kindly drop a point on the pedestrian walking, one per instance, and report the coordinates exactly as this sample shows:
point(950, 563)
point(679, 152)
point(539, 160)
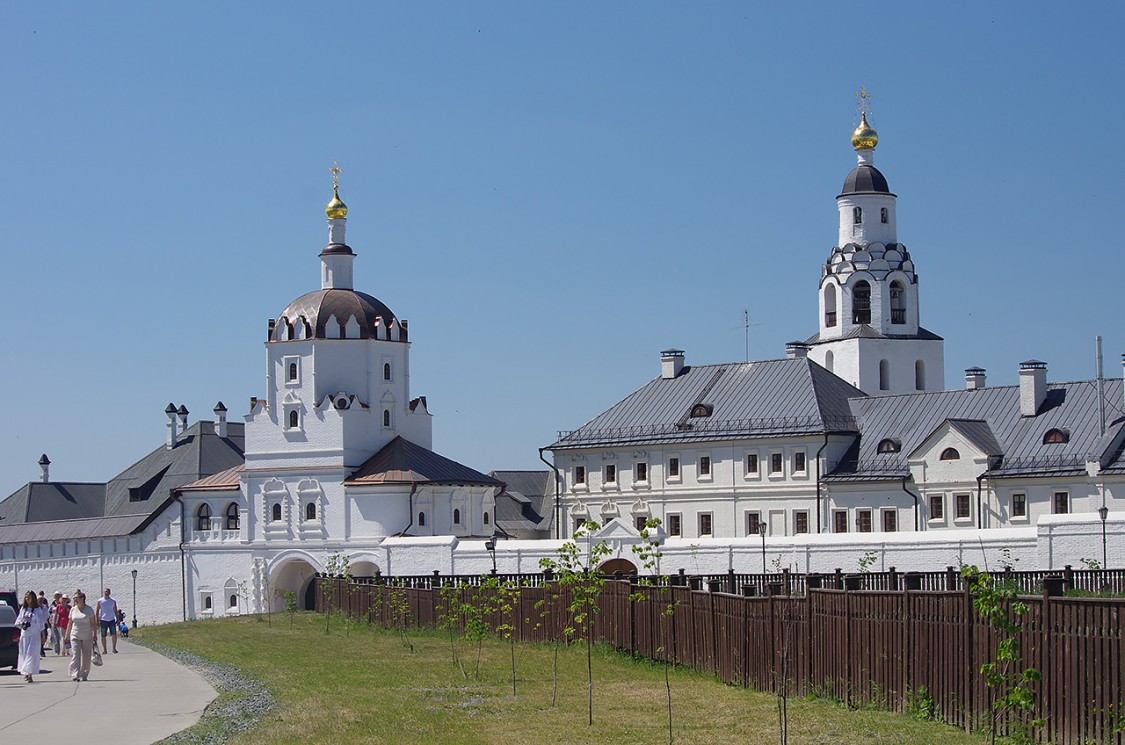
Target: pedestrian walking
point(54, 625)
point(107, 619)
point(45, 634)
point(58, 628)
point(31, 621)
point(81, 629)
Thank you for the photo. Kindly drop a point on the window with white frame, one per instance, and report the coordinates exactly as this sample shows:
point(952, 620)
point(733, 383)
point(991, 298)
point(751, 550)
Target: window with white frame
point(863, 521)
point(673, 468)
point(964, 506)
point(937, 507)
point(675, 527)
point(801, 521)
point(777, 465)
point(1019, 505)
point(292, 367)
point(610, 473)
point(753, 522)
point(799, 461)
point(705, 466)
point(705, 524)
point(640, 472)
point(1061, 503)
point(890, 521)
point(840, 521)
point(580, 475)
point(751, 464)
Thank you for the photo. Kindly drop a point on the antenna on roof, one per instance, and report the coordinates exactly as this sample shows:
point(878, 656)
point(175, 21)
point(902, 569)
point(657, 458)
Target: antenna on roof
point(746, 326)
point(1101, 379)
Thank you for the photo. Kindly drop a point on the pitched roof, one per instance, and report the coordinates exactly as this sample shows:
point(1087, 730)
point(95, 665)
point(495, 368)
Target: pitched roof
point(54, 500)
point(527, 502)
point(771, 398)
point(401, 461)
point(223, 480)
point(864, 331)
point(70, 530)
point(979, 434)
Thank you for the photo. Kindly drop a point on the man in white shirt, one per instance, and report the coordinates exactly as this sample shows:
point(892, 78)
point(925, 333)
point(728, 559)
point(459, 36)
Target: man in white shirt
point(107, 619)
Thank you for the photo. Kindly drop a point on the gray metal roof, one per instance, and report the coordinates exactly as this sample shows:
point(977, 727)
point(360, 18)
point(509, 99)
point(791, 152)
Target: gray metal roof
point(527, 502)
point(864, 331)
point(72, 530)
point(991, 418)
point(771, 398)
point(401, 461)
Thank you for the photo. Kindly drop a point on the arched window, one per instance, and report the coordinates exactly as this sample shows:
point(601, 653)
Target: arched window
point(898, 303)
point(386, 371)
point(421, 519)
point(884, 375)
point(486, 518)
point(292, 371)
point(857, 215)
point(889, 445)
point(203, 517)
point(830, 305)
point(829, 361)
point(206, 602)
point(233, 516)
point(701, 410)
point(919, 375)
point(861, 302)
point(950, 454)
point(276, 511)
point(294, 420)
point(234, 601)
point(456, 517)
point(310, 511)
point(1056, 437)
point(883, 215)
point(386, 417)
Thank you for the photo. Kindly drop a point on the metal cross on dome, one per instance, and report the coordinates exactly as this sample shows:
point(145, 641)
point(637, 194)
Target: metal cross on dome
point(336, 171)
point(862, 105)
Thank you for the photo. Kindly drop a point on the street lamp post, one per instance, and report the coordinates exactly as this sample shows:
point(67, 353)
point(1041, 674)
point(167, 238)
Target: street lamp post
point(490, 547)
point(762, 532)
point(134, 573)
point(1103, 513)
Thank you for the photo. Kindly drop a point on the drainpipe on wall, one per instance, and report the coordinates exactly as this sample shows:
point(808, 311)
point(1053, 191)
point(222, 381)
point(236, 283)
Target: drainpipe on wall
point(980, 511)
point(410, 508)
point(558, 506)
point(915, 497)
point(818, 507)
point(183, 553)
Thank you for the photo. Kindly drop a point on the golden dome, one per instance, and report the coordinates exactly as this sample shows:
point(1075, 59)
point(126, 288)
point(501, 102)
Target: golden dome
point(864, 137)
point(336, 209)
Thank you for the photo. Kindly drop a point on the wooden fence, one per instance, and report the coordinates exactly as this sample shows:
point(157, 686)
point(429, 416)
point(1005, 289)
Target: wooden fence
point(870, 647)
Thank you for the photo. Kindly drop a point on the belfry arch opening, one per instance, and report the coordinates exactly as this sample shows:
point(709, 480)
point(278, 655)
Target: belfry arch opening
point(830, 305)
point(898, 303)
point(861, 302)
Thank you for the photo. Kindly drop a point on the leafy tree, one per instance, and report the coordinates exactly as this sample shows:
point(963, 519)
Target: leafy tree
point(505, 598)
point(648, 554)
point(290, 605)
point(1013, 685)
point(337, 566)
point(577, 570)
point(398, 602)
point(476, 614)
point(545, 607)
point(450, 616)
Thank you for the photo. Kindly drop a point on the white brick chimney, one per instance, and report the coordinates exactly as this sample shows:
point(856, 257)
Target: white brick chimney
point(45, 468)
point(1033, 386)
point(182, 413)
point(671, 363)
point(974, 378)
point(220, 419)
point(796, 350)
point(170, 412)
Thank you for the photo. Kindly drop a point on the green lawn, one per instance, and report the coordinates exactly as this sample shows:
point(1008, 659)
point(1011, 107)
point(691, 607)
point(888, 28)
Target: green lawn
point(369, 687)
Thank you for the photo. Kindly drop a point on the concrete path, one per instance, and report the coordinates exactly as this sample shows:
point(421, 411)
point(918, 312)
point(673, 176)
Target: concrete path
point(137, 697)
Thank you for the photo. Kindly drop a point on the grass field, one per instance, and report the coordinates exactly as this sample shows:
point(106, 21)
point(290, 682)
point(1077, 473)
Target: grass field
point(369, 687)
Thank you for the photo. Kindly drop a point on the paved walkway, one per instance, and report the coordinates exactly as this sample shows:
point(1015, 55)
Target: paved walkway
point(137, 697)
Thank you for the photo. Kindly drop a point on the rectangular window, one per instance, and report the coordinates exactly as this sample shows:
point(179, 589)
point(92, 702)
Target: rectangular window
point(640, 471)
point(840, 518)
point(753, 523)
point(673, 468)
point(580, 474)
point(883, 215)
point(704, 465)
point(610, 473)
point(801, 521)
point(1062, 502)
point(674, 528)
point(890, 521)
point(799, 462)
point(863, 521)
point(937, 507)
point(704, 523)
point(775, 463)
point(1019, 505)
point(964, 507)
point(751, 463)
point(578, 523)
point(642, 521)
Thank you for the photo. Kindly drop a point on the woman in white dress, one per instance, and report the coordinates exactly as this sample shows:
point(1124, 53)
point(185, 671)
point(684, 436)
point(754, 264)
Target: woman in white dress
point(80, 630)
point(31, 621)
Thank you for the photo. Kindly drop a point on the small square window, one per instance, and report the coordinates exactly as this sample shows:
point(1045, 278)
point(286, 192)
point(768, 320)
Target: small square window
point(704, 523)
point(840, 520)
point(1062, 502)
point(863, 521)
point(937, 507)
point(964, 507)
point(1019, 505)
point(640, 471)
point(799, 461)
point(751, 463)
point(801, 521)
point(674, 528)
point(673, 468)
point(753, 521)
point(580, 474)
point(704, 465)
point(610, 473)
point(776, 465)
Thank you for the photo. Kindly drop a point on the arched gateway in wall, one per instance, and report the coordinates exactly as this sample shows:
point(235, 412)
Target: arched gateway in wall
point(292, 573)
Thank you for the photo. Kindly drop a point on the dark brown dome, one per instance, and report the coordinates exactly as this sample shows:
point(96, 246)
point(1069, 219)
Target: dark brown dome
point(317, 308)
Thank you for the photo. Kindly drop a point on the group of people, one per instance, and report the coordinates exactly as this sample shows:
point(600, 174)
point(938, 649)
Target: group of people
point(68, 627)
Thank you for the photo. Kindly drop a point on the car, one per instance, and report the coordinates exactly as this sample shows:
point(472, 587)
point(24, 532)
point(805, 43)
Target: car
point(9, 637)
point(7, 597)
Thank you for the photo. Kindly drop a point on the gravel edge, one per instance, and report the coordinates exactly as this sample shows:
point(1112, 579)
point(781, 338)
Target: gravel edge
point(239, 707)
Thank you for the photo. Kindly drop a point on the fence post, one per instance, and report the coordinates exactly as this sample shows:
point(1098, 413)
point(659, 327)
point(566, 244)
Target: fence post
point(1045, 646)
point(950, 579)
point(787, 587)
point(892, 579)
point(907, 647)
point(1068, 577)
point(848, 651)
point(970, 667)
point(730, 581)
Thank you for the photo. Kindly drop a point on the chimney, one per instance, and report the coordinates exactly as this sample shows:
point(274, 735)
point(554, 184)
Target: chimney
point(170, 411)
point(1033, 386)
point(671, 363)
point(182, 413)
point(796, 350)
point(44, 467)
point(974, 378)
point(220, 419)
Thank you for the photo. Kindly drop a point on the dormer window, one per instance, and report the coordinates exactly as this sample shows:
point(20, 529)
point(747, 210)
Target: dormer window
point(889, 446)
point(701, 410)
point(1056, 437)
point(950, 454)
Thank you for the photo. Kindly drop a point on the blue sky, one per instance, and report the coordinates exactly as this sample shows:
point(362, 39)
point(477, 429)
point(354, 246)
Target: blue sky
point(549, 193)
